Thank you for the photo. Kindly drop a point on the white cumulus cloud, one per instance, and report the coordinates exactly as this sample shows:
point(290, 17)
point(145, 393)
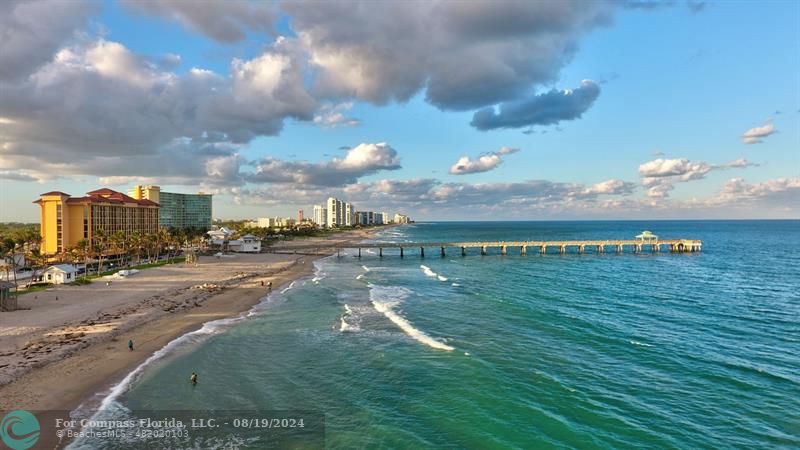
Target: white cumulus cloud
point(484, 163)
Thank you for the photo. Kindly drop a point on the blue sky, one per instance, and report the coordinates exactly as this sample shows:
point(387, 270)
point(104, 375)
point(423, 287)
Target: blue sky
point(678, 88)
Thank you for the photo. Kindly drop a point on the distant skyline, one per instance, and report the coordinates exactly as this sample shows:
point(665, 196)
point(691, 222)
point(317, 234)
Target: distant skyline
point(511, 110)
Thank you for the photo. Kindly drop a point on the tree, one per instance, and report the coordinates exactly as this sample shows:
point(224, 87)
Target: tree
point(101, 240)
point(136, 242)
point(83, 249)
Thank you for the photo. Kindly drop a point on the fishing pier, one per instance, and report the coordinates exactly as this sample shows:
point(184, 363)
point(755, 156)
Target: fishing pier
point(517, 247)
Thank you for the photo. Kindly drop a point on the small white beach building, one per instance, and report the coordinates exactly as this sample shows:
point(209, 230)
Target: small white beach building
point(245, 244)
point(60, 274)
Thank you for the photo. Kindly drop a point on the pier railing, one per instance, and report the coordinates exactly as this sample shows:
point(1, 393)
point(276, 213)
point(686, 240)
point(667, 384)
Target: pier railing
point(521, 247)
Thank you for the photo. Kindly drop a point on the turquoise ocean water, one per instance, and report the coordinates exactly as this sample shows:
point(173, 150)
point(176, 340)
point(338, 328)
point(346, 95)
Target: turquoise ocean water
point(556, 351)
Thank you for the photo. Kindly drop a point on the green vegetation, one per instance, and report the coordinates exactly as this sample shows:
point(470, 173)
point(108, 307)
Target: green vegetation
point(135, 250)
point(36, 287)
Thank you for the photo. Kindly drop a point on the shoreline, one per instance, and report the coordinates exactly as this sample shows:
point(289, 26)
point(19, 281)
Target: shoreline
point(86, 374)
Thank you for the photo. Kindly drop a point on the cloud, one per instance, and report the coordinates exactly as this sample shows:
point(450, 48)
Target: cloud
point(548, 108)
point(463, 55)
point(784, 192)
point(611, 187)
point(333, 115)
point(361, 160)
point(429, 194)
point(17, 175)
point(756, 135)
point(486, 162)
point(61, 116)
point(32, 30)
point(660, 175)
point(226, 21)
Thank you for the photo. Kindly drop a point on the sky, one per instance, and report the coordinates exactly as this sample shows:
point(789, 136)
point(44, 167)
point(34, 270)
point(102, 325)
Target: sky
point(443, 110)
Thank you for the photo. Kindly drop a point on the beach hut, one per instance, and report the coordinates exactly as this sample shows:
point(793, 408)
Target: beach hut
point(246, 244)
point(60, 274)
point(8, 300)
point(647, 237)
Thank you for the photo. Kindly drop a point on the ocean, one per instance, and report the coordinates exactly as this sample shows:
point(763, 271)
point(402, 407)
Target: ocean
point(666, 350)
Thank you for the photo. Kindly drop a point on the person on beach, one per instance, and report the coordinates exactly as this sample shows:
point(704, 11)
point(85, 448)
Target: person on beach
point(130, 344)
point(193, 378)
point(270, 285)
point(262, 283)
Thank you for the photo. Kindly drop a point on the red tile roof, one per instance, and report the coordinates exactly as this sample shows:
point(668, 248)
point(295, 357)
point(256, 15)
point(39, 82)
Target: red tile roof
point(104, 195)
point(54, 193)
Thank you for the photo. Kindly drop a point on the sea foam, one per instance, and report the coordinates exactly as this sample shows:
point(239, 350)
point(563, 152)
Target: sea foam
point(391, 297)
point(344, 325)
point(427, 271)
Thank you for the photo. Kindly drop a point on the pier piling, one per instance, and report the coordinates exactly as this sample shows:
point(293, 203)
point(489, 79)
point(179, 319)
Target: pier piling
point(564, 247)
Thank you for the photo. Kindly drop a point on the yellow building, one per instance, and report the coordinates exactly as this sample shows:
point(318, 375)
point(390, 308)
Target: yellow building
point(66, 220)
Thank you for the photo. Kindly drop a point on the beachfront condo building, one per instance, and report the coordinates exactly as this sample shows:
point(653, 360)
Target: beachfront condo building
point(339, 214)
point(320, 215)
point(65, 220)
point(179, 211)
point(401, 218)
point(369, 218)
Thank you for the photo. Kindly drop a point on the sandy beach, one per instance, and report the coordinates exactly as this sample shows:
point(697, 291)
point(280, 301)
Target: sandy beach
point(71, 346)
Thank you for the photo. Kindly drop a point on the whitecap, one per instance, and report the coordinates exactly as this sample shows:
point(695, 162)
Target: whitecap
point(640, 343)
point(291, 285)
point(385, 298)
point(427, 271)
point(441, 278)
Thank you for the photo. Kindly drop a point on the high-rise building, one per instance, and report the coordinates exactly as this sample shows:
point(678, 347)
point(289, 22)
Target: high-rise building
point(320, 215)
point(178, 211)
point(349, 215)
point(339, 213)
point(385, 218)
point(400, 218)
point(65, 220)
point(300, 216)
point(334, 208)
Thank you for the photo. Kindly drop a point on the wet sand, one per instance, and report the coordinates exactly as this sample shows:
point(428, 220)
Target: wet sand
point(73, 349)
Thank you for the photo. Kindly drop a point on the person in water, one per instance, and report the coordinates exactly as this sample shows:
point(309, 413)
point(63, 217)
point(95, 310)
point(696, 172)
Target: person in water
point(193, 378)
point(130, 344)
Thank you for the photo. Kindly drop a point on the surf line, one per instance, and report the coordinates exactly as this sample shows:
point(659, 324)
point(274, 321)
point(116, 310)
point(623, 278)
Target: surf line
point(409, 329)
point(427, 271)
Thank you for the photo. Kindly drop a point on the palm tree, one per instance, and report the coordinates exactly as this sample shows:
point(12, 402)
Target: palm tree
point(135, 241)
point(7, 248)
point(162, 238)
point(82, 248)
point(118, 242)
point(28, 241)
point(101, 240)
